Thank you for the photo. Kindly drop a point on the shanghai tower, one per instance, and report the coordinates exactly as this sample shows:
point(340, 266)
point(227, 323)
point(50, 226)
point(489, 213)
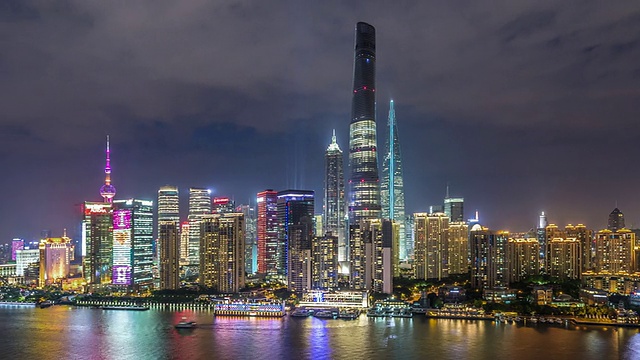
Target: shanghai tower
point(364, 186)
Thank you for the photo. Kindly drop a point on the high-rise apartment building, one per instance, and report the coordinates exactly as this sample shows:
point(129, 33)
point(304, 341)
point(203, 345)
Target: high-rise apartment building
point(371, 255)
point(364, 187)
point(169, 254)
point(133, 243)
point(295, 236)
point(184, 243)
point(392, 188)
point(523, 258)
point(458, 248)
point(325, 261)
point(334, 201)
point(615, 251)
point(55, 257)
point(267, 204)
point(488, 257)
point(199, 206)
point(431, 245)
point(565, 258)
point(222, 252)
point(585, 236)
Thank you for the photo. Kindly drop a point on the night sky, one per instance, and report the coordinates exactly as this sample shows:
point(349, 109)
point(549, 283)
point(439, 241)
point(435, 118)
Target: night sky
point(521, 106)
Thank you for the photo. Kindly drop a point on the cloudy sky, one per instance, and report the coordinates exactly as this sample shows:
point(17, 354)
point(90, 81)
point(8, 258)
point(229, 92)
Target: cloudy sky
point(521, 106)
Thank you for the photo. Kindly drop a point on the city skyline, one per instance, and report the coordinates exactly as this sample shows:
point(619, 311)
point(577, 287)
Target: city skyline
point(489, 105)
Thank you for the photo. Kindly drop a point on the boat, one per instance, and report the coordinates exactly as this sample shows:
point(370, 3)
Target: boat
point(325, 314)
point(534, 320)
point(542, 319)
point(518, 319)
point(184, 324)
point(45, 304)
point(559, 321)
point(125, 307)
point(349, 315)
point(300, 313)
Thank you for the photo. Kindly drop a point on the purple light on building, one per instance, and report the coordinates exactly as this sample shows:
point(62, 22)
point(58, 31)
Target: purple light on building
point(16, 244)
point(121, 275)
point(122, 219)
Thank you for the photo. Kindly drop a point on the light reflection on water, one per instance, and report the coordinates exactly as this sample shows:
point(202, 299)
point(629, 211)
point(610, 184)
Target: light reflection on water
point(81, 333)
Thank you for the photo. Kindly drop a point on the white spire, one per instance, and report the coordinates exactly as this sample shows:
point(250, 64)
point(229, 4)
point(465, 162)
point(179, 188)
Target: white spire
point(334, 145)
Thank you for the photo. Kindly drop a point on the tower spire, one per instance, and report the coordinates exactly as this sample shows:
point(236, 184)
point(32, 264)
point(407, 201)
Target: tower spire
point(107, 191)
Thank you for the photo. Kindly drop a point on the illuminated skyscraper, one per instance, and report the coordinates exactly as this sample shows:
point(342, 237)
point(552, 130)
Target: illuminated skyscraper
point(392, 188)
point(222, 252)
point(184, 243)
point(251, 238)
point(97, 232)
point(364, 187)
point(458, 248)
point(523, 258)
point(325, 261)
point(431, 245)
point(268, 232)
point(169, 254)
point(222, 205)
point(334, 205)
point(488, 257)
point(585, 236)
point(55, 257)
point(168, 205)
point(454, 207)
point(615, 251)
point(295, 236)
point(16, 244)
point(133, 243)
point(565, 258)
point(199, 205)
point(371, 258)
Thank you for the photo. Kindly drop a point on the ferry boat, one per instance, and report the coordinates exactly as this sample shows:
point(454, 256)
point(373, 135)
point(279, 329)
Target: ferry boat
point(326, 314)
point(45, 304)
point(300, 313)
point(257, 309)
point(184, 324)
point(349, 314)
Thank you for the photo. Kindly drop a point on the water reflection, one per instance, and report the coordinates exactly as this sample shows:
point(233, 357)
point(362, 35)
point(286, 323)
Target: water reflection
point(82, 333)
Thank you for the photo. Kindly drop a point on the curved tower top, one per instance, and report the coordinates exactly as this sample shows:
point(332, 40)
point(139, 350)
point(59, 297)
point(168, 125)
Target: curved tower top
point(108, 191)
point(364, 74)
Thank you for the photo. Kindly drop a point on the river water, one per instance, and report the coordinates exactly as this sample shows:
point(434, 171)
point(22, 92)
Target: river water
point(64, 332)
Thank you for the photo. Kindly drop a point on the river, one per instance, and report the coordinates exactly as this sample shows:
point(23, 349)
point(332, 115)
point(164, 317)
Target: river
point(65, 332)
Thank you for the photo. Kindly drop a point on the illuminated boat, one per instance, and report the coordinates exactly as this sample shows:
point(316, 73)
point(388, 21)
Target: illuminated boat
point(184, 324)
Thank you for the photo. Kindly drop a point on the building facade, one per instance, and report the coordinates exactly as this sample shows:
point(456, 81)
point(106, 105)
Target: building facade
point(364, 187)
point(222, 256)
point(55, 259)
point(523, 258)
point(199, 206)
point(431, 245)
point(295, 236)
point(334, 203)
point(169, 254)
point(267, 204)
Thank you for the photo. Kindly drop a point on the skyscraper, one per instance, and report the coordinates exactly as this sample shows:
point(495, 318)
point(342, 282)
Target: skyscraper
point(222, 252)
point(222, 205)
point(168, 205)
point(199, 205)
point(488, 257)
point(267, 232)
point(431, 245)
point(565, 258)
point(169, 254)
point(523, 258)
point(334, 205)
point(325, 261)
point(295, 236)
point(250, 238)
point(616, 220)
point(392, 188)
point(97, 232)
point(615, 251)
point(55, 256)
point(133, 243)
point(454, 207)
point(458, 248)
point(364, 188)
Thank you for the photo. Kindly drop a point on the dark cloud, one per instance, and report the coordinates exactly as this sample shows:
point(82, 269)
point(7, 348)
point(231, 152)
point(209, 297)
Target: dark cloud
point(521, 105)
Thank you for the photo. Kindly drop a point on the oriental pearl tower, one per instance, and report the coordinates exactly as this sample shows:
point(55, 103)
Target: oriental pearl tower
point(108, 191)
